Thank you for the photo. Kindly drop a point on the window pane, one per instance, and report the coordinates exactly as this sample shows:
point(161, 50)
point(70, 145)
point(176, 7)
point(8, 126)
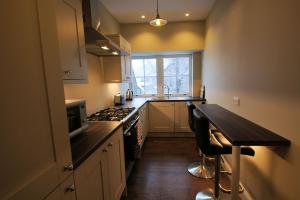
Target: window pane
point(169, 66)
point(150, 85)
point(183, 64)
point(171, 82)
point(183, 84)
point(176, 75)
point(138, 67)
point(150, 67)
point(139, 86)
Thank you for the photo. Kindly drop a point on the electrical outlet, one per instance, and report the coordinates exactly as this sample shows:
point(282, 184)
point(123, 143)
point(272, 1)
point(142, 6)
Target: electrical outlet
point(236, 101)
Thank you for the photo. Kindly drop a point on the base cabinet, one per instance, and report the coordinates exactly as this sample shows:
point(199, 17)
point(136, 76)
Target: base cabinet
point(168, 117)
point(181, 117)
point(161, 116)
point(102, 175)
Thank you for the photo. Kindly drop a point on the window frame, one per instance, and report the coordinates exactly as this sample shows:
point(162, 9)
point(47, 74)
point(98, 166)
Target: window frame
point(160, 73)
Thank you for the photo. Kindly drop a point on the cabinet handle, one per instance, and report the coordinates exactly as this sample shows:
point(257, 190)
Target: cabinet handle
point(67, 72)
point(110, 144)
point(105, 150)
point(68, 167)
point(70, 188)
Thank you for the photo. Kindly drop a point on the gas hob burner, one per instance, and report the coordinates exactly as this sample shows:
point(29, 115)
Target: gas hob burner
point(110, 114)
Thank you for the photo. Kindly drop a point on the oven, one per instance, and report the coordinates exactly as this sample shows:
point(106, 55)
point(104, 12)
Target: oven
point(132, 145)
point(131, 139)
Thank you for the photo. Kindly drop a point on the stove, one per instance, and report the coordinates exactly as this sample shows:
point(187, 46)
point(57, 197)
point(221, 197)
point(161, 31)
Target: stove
point(110, 114)
point(131, 134)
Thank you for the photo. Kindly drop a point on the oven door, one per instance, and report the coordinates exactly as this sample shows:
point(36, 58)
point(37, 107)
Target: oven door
point(131, 146)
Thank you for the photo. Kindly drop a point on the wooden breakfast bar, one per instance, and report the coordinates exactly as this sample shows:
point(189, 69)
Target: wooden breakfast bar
point(239, 132)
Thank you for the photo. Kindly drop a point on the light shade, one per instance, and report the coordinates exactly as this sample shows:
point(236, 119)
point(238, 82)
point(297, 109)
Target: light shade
point(157, 22)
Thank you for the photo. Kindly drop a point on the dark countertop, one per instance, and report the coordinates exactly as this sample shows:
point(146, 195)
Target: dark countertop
point(238, 130)
point(138, 102)
point(84, 144)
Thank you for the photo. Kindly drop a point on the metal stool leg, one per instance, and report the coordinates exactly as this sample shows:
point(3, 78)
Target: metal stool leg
point(200, 169)
point(209, 194)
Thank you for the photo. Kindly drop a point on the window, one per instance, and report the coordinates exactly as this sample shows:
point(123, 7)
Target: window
point(144, 76)
point(154, 75)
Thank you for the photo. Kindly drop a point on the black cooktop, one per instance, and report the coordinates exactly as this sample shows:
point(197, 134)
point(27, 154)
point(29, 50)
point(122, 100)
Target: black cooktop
point(110, 114)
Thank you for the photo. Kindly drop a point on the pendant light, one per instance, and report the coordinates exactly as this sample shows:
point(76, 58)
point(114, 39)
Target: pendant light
point(157, 22)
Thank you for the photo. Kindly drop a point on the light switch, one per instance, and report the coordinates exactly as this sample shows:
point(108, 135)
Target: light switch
point(236, 101)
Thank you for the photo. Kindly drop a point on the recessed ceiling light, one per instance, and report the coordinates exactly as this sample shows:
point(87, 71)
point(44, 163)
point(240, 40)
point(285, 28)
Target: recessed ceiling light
point(105, 47)
point(143, 16)
point(187, 14)
point(115, 53)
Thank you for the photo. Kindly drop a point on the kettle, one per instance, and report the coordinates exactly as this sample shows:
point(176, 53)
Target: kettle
point(129, 94)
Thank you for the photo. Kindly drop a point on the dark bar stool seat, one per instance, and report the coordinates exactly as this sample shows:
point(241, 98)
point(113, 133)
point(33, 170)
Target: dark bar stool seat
point(198, 169)
point(210, 145)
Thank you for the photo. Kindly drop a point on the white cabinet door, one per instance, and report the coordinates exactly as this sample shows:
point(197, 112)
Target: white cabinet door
point(117, 176)
point(102, 176)
point(181, 117)
point(65, 191)
point(91, 177)
point(161, 116)
point(71, 39)
point(34, 145)
point(118, 68)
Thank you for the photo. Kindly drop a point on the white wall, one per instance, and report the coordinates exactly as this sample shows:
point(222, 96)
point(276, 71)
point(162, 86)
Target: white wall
point(252, 50)
point(175, 36)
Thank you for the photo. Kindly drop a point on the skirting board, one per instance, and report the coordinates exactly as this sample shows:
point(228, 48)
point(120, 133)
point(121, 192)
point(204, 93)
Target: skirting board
point(151, 134)
point(245, 195)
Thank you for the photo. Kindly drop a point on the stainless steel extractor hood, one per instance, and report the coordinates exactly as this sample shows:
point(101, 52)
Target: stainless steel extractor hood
point(97, 43)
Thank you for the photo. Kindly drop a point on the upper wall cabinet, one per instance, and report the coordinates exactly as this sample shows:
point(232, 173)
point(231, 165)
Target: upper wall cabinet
point(70, 34)
point(118, 68)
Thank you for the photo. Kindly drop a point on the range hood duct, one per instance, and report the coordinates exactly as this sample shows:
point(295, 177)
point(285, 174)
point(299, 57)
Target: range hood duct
point(94, 39)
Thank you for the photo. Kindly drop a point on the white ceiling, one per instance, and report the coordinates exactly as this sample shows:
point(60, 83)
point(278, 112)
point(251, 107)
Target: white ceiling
point(130, 11)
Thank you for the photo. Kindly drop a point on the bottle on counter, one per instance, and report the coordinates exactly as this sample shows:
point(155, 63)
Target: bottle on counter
point(202, 93)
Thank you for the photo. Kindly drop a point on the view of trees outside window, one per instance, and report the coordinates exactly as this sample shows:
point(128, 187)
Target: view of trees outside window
point(144, 76)
point(176, 75)
point(174, 72)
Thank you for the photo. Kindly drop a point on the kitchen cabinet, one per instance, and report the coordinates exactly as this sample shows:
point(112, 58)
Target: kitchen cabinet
point(117, 69)
point(65, 191)
point(67, 35)
point(181, 117)
point(143, 112)
point(161, 116)
point(102, 175)
point(35, 151)
point(71, 39)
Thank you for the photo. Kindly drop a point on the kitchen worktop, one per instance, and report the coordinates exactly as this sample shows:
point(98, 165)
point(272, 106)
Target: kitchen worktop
point(138, 102)
point(84, 144)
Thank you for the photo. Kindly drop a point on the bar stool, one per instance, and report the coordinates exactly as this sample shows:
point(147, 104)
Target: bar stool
point(198, 169)
point(210, 146)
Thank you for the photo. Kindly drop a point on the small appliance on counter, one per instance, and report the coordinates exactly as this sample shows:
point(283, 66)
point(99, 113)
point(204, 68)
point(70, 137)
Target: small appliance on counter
point(129, 94)
point(77, 118)
point(119, 99)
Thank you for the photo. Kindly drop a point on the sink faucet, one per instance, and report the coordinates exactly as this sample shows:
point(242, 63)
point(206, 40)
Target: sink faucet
point(164, 85)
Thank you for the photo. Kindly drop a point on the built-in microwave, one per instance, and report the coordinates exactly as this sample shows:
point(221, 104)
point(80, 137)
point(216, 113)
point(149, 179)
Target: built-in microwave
point(77, 118)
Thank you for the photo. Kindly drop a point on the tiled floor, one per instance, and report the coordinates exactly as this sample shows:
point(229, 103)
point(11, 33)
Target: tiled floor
point(162, 173)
